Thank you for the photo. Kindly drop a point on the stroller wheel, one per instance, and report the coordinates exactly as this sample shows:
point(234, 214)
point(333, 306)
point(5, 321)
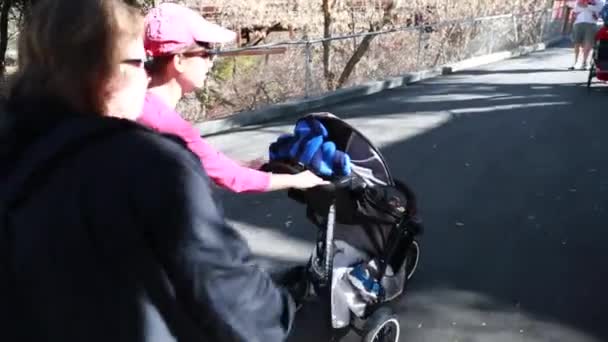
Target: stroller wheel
point(411, 259)
point(381, 326)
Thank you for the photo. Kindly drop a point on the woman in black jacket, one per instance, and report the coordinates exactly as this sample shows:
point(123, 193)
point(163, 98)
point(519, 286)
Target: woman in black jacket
point(108, 231)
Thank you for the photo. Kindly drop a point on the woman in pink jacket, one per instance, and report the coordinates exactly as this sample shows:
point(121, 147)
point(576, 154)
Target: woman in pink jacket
point(179, 40)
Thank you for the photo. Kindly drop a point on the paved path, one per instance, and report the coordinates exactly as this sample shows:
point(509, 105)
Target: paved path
point(510, 162)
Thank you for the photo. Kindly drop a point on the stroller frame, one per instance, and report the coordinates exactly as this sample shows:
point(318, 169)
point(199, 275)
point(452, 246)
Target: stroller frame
point(379, 323)
point(372, 327)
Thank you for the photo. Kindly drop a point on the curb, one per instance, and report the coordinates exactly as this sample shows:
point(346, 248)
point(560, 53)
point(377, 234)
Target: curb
point(298, 106)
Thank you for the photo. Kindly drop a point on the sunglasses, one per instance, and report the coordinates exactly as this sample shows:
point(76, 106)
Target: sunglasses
point(206, 53)
point(145, 63)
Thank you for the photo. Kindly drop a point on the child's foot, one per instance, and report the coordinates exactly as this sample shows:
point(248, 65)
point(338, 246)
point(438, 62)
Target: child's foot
point(571, 68)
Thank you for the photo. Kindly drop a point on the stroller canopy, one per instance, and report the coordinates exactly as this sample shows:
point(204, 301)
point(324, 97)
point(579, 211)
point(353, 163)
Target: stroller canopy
point(367, 161)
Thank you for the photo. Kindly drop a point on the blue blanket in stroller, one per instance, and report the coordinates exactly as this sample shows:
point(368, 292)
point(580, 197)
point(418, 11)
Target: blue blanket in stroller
point(310, 147)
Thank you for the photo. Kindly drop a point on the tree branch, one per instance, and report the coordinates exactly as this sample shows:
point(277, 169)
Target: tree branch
point(365, 44)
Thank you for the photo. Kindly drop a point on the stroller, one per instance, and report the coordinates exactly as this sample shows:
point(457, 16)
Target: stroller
point(599, 64)
point(366, 249)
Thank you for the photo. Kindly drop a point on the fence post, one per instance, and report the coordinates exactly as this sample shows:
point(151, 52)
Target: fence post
point(515, 29)
point(543, 22)
point(308, 80)
point(567, 14)
point(492, 37)
point(205, 98)
point(420, 29)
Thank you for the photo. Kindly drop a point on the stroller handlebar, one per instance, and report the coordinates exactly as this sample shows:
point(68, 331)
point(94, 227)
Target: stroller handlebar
point(350, 182)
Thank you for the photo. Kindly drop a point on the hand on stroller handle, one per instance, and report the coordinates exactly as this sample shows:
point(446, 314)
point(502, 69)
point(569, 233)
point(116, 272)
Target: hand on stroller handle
point(351, 182)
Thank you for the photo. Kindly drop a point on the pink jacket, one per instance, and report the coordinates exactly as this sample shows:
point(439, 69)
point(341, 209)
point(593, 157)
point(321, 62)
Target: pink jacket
point(222, 170)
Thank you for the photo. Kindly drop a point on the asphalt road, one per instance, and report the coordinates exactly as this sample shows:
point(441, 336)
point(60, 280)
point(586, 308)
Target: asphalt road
point(510, 165)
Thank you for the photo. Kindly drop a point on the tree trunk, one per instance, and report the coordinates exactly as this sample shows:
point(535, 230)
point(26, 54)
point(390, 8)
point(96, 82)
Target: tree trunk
point(4, 11)
point(364, 45)
point(327, 45)
point(354, 59)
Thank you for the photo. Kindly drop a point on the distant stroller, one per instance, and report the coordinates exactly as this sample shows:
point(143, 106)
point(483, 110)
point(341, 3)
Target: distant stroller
point(366, 249)
point(599, 63)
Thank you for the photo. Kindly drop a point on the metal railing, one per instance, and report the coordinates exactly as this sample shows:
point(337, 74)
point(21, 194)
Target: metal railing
point(393, 52)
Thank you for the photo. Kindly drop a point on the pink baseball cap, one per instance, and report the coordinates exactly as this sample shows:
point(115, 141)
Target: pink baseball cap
point(170, 27)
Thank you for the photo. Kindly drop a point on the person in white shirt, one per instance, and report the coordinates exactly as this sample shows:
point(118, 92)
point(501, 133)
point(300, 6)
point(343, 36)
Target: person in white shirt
point(586, 14)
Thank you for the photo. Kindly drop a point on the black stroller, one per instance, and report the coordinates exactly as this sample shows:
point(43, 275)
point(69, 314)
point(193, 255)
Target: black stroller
point(370, 210)
point(599, 63)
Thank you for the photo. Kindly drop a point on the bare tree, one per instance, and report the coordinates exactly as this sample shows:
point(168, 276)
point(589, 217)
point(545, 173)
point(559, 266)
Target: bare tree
point(247, 82)
point(363, 47)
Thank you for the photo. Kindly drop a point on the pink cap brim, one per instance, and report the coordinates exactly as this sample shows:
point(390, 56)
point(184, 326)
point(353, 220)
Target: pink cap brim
point(207, 32)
